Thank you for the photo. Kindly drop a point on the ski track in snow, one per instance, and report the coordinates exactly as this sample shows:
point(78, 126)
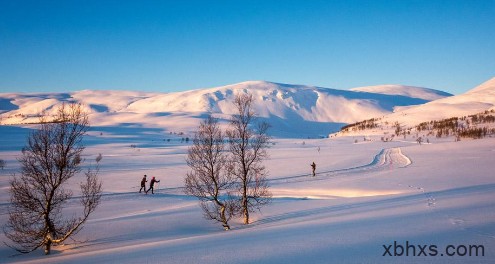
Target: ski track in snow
point(386, 159)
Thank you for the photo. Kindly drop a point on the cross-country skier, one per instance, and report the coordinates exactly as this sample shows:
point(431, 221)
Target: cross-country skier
point(313, 166)
point(143, 184)
point(152, 184)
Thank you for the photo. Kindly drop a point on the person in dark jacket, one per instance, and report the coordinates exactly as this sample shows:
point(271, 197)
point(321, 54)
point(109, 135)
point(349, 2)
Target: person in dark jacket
point(152, 184)
point(143, 184)
point(313, 166)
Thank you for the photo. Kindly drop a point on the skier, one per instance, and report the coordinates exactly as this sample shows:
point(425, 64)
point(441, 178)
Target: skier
point(313, 166)
point(143, 184)
point(152, 183)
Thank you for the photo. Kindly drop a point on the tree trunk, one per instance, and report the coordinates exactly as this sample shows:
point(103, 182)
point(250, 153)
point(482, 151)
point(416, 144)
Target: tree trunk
point(245, 211)
point(224, 220)
point(48, 246)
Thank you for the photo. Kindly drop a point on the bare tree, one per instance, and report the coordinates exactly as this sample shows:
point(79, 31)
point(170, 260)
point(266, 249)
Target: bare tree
point(2, 164)
point(248, 151)
point(208, 179)
point(50, 159)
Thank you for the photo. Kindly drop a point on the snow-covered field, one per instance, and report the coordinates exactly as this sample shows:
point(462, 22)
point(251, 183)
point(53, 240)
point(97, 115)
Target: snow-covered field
point(366, 196)
point(369, 200)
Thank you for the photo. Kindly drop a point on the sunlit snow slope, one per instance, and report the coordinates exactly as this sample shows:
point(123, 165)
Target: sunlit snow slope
point(476, 100)
point(409, 91)
point(294, 110)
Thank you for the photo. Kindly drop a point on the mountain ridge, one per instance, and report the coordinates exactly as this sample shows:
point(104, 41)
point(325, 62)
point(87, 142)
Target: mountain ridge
point(476, 101)
point(304, 109)
point(405, 90)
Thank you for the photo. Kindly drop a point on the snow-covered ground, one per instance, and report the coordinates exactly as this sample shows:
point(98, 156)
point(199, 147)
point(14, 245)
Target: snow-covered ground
point(366, 196)
point(369, 197)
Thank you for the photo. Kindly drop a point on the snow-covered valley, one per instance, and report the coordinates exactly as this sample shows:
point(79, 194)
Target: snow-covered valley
point(365, 195)
point(368, 195)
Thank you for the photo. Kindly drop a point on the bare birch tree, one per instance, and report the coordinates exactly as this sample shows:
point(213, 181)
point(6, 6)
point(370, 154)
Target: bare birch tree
point(208, 179)
point(50, 159)
point(247, 147)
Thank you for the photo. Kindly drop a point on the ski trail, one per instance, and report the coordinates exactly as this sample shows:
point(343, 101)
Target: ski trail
point(386, 159)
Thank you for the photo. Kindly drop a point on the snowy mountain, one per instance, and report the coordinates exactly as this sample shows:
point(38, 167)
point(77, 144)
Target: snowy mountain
point(476, 100)
point(290, 109)
point(409, 91)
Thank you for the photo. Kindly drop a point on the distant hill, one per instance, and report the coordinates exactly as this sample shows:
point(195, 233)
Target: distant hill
point(292, 110)
point(475, 101)
point(409, 91)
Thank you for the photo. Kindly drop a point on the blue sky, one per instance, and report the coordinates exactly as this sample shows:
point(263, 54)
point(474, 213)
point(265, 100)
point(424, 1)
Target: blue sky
point(52, 46)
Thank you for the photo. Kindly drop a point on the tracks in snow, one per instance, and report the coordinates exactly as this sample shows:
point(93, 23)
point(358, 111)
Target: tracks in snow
point(386, 159)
